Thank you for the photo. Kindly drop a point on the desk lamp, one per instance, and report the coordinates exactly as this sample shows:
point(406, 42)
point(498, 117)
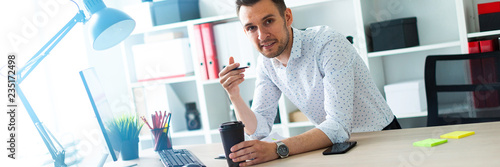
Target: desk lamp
point(108, 28)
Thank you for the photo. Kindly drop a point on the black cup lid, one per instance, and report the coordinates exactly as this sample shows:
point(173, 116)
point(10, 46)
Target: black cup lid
point(231, 125)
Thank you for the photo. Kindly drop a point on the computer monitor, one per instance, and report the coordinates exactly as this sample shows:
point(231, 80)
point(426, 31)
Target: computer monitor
point(102, 110)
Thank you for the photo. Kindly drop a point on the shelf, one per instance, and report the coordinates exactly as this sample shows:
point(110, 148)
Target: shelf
point(187, 133)
point(301, 3)
point(277, 126)
point(163, 81)
point(228, 17)
point(186, 23)
point(414, 49)
point(483, 34)
point(209, 82)
point(411, 115)
point(176, 134)
point(216, 81)
point(216, 131)
point(163, 27)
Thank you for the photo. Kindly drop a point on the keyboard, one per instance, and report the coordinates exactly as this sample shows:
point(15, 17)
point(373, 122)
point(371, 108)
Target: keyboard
point(178, 158)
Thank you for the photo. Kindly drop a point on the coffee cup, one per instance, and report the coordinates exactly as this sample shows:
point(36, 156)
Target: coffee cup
point(231, 134)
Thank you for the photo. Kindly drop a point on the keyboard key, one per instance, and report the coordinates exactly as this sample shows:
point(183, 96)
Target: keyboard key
point(171, 160)
point(186, 157)
point(194, 158)
point(179, 156)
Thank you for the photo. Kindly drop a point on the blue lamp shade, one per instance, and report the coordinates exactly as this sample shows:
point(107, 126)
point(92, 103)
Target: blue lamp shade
point(109, 27)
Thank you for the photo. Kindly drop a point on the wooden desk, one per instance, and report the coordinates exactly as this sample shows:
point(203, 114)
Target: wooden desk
point(383, 148)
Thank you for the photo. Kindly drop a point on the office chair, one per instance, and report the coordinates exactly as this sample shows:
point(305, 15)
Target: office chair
point(462, 88)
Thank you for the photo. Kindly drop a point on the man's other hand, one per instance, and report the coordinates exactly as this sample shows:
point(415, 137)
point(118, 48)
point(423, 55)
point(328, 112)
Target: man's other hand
point(255, 151)
point(230, 79)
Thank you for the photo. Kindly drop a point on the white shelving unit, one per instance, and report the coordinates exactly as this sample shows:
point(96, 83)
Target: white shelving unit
point(483, 34)
point(444, 27)
point(164, 81)
point(414, 49)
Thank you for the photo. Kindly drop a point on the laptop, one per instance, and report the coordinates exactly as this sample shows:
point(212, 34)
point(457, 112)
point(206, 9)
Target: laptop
point(169, 157)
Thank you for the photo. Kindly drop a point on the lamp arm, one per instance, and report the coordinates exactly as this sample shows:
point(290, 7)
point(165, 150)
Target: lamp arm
point(57, 152)
point(45, 50)
point(57, 156)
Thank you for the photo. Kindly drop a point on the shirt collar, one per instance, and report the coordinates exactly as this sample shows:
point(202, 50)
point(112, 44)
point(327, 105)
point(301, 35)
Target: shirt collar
point(297, 44)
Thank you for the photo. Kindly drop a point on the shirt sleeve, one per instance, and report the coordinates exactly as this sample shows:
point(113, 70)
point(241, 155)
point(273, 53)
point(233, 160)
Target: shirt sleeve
point(265, 102)
point(338, 83)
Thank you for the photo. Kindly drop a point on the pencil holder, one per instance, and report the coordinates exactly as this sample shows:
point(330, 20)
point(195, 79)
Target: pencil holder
point(161, 139)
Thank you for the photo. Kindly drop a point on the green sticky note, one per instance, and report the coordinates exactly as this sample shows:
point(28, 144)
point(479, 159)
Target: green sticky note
point(457, 134)
point(429, 142)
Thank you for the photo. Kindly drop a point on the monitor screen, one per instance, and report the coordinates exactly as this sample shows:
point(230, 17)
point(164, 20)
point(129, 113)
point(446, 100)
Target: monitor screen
point(102, 109)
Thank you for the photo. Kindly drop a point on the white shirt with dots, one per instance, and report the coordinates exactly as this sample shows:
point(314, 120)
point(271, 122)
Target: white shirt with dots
point(327, 80)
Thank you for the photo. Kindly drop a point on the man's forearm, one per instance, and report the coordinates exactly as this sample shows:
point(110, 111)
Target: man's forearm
point(244, 114)
point(311, 140)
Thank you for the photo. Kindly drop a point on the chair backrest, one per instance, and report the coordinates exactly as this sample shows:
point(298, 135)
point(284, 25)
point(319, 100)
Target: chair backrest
point(462, 88)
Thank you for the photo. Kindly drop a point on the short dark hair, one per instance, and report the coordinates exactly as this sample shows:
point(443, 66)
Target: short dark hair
point(280, 4)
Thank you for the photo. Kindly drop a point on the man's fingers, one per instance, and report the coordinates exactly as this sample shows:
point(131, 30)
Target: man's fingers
point(228, 69)
point(252, 152)
point(245, 151)
point(245, 157)
point(250, 163)
point(226, 76)
point(230, 81)
point(231, 60)
point(253, 159)
point(241, 145)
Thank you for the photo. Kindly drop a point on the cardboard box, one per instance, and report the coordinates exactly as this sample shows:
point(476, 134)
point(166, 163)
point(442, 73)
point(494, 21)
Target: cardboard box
point(298, 116)
point(406, 97)
point(394, 34)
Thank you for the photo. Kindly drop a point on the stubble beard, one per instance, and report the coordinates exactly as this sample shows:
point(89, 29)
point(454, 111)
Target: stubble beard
point(281, 47)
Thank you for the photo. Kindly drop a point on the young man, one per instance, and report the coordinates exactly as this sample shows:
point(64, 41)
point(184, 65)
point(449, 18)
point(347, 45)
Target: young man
point(317, 69)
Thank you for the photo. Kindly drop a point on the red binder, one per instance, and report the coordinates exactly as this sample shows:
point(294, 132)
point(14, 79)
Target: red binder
point(210, 52)
point(489, 72)
point(201, 52)
point(485, 8)
point(476, 72)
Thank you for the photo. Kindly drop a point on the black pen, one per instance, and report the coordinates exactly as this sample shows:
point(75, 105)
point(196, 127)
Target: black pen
point(239, 68)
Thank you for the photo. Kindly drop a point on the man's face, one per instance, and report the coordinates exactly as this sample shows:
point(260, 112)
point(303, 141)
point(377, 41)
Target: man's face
point(265, 27)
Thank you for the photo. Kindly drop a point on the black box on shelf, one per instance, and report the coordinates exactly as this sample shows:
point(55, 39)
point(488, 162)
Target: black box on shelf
point(394, 34)
point(489, 21)
point(171, 11)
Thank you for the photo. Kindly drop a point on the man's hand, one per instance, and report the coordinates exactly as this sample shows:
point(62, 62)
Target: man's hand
point(255, 151)
point(230, 79)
